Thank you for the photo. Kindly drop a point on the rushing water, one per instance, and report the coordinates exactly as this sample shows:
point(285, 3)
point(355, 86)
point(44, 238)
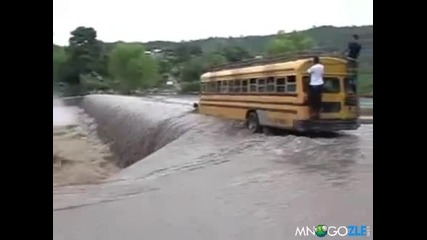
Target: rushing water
point(79, 157)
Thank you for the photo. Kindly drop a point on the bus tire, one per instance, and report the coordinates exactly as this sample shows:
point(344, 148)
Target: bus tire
point(253, 123)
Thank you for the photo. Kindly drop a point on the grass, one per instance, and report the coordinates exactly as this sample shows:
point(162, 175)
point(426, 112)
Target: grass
point(366, 83)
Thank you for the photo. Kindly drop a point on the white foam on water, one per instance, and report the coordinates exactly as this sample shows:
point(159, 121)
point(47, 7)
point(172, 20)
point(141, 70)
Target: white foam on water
point(62, 115)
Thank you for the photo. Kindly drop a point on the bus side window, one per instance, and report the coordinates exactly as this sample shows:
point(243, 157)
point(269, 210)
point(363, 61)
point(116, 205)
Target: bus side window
point(270, 84)
point(291, 84)
point(231, 86)
point(280, 85)
point(224, 87)
point(218, 86)
point(207, 87)
point(261, 85)
point(211, 87)
point(252, 85)
point(237, 86)
point(244, 85)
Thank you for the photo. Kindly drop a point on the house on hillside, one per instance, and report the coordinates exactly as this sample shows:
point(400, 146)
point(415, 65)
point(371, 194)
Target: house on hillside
point(155, 53)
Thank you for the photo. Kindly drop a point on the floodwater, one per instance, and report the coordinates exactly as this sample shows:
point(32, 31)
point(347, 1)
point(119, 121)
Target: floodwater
point(79, 156)
point(206, 178)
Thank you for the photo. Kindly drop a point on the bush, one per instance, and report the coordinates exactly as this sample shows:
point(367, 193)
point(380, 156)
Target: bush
point(187, 87)
point(89, 83)
point(366, 83)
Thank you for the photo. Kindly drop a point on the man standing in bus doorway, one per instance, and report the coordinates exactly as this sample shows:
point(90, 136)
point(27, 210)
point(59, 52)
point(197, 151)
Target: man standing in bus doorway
point(352, 53)
point(316, 85)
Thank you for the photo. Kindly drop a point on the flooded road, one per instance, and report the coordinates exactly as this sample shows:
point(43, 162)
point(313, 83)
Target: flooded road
point(212, 179)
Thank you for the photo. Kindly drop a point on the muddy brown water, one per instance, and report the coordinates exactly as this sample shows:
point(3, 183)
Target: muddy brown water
point(206, 178)
point(79, 156)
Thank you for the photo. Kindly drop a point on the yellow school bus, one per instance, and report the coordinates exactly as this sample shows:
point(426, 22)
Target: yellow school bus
point(274, 93)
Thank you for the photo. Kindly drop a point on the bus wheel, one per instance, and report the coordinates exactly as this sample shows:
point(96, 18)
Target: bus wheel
point(253, 123)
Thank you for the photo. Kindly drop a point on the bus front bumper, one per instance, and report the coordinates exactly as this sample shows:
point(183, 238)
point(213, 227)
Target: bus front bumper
point(326, 125)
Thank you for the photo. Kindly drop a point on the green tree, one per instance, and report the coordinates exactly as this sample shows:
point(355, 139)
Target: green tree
point(129, 65)
point(59, 59)
point(185, 51)
point(84, 53)
point(235, 53)
point(100, 66)
point(214, 59)
point(196, 66)
point(300, 41)
point(192, 69)
point(165, 66)
point(284, 43)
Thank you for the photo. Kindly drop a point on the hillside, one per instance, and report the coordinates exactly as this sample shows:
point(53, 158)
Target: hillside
point(325, 37)
point(186, 61)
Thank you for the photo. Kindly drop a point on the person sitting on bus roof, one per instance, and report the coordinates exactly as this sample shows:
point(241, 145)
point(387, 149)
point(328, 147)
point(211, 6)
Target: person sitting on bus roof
point(353, 48)
point(352, 53)
point(316, 85)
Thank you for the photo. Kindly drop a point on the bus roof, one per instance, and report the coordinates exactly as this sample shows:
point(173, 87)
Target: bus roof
point(295, 65)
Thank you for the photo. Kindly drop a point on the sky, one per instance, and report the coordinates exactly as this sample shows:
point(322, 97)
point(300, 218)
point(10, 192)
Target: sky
point(177, 20)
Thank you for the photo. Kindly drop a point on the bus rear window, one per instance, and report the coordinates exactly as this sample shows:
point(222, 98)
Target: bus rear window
point(349, 88)
point(331, 84)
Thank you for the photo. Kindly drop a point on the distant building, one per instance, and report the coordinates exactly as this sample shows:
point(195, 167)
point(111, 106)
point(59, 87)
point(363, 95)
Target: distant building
point(155, 53)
